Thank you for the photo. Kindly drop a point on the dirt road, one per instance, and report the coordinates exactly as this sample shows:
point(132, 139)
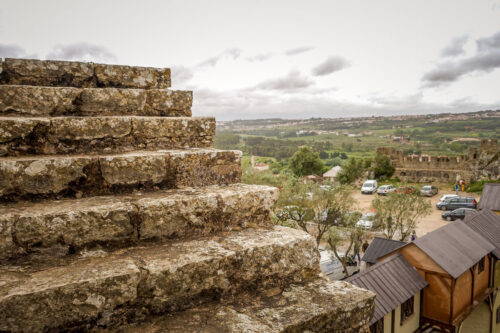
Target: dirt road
point(426, 224)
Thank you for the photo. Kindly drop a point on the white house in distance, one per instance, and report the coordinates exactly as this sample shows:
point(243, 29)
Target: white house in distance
point(332, 173)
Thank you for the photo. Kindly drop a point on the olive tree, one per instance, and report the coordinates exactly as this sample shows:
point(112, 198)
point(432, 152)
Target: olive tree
point(398, 213)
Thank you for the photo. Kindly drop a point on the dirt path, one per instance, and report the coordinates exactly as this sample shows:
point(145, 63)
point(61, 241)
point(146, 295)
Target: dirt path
point(426, 224)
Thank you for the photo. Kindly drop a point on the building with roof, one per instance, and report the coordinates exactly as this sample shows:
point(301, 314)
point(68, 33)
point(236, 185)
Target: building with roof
point(379, 247)
point(486, 317)
point(456, 262)
point(398, 287)
point(490, 197)
point(332, 173)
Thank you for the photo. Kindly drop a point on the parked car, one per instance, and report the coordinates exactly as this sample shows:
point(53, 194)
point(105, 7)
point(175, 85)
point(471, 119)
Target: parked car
point(366, 221)
point(429, 191)
point(385, 189)
point(445, 197)
point(369, 187)
point(459, 213)
point(405, 190)
point(457, 202)
point(332, 267)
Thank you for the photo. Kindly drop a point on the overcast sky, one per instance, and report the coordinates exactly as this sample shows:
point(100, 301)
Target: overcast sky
point(288, 59)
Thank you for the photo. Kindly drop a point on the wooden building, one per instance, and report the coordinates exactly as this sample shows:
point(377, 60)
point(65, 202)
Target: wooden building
point(398, 288)
point(486, 316)
point(379, 247)
point(456, 262)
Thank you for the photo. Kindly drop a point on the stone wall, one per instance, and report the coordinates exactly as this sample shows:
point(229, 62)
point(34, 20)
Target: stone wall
point(477, 164)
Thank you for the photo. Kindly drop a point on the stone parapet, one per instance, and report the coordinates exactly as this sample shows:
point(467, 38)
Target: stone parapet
point(118, 221)
point(115, 287)
point(80, 74)
point(86, 175)
point(317, 306)
point(75, 135)
point(35, 101)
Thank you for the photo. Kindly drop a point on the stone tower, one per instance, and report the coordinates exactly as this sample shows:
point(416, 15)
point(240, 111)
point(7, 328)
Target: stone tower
point(116, 214)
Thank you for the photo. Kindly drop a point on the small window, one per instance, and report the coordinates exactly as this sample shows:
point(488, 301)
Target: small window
point(378, 327)
point(480, 266)
point(407, 309)
point(498, 315)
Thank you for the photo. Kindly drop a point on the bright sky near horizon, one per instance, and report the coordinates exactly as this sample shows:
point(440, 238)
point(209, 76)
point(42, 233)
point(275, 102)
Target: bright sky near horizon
point(281, 58)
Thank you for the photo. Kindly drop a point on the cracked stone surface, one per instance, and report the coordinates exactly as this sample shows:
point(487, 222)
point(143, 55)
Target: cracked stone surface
point(40, 101)
point(144, 280)
point(317, 306)
point(72, 135)
point(127, 219)
point(80, 74)
point(59, 176)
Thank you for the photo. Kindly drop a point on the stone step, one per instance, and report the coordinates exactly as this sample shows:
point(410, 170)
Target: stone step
point(316, 306)
point(81, 74)
point(110, 288)
point(74, 225)
point(33, 101)
point(70, 135)
point(39, 177)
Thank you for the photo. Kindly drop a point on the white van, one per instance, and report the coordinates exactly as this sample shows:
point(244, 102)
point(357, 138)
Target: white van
point(369, 187)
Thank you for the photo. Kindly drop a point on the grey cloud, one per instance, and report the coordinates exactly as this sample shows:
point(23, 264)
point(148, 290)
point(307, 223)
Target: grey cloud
point(330, 65)
point(298, 50)
point(486, 59)
point(293, 81)
point(81, 51)
point(14, 51)
point(455, 47)
point(181, 75)
point(233, 53)
point(490, 43)
point(260, 57)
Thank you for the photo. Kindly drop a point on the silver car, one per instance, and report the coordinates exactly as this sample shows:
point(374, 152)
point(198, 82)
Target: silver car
point(385, 189)
point(429, 191)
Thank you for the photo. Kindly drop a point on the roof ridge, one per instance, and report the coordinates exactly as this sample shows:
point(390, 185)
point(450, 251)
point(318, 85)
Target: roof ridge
point(377, 265)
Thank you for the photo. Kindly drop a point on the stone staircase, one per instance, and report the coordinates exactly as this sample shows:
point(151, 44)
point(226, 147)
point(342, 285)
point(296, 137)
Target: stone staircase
point(116, 214)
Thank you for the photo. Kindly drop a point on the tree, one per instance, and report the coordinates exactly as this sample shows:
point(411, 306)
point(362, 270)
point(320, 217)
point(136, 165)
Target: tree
point(351, 235)
point(294, 205)
point(382, 167)
point(330, 208)
point(351, 171)
point(397, 214)
point(305, 162)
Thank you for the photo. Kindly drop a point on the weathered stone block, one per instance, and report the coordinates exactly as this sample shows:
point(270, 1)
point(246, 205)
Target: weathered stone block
point(18, 129)
point(69, 135)
point(154, 279)
point(133, 168)
point(216, 166)
point(57, 101)
point(127, 219)
point(47, 73)
point(317, 306)
point(41, 175)
point(86, 175)
point(37, 101)
point(80, 74)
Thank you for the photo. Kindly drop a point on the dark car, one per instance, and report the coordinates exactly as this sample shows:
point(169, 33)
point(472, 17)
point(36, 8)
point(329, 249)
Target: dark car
point(457, 202)
point(459, 213)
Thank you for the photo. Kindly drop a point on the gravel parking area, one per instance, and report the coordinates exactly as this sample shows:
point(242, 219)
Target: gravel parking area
point(426, 224)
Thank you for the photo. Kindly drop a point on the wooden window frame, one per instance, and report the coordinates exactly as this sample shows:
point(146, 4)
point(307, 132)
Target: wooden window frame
point(378, 327)
point(407, 309)
point(480, 266)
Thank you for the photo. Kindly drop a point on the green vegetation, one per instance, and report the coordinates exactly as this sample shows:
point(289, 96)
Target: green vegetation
point(477, 187)
point(306, 162)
